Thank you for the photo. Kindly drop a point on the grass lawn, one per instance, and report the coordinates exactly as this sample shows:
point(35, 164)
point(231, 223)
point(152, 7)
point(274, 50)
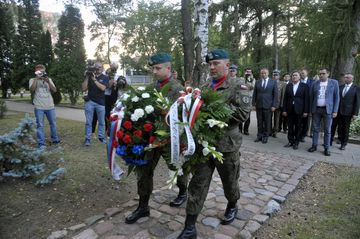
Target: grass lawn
point(87, 189)
point(326, 204)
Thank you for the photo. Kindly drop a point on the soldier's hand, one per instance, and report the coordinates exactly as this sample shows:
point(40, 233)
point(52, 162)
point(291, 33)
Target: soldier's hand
point(284, 114)
point(334, 115)
point(273, 109)
point(305, 115)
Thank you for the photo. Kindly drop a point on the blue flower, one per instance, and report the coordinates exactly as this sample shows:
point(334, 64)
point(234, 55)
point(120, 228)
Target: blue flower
point(138, 149)
point(121, 150)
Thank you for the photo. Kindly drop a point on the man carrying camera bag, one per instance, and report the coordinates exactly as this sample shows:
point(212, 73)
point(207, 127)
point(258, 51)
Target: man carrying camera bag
point(95, 83)
point(40, 87)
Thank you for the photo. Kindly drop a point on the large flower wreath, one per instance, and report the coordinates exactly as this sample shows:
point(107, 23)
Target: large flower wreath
point(136, 126)
point(197, 121)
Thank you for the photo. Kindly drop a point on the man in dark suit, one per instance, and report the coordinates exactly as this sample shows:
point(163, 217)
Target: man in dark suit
point(305, 121)
point(296, 106)
point(265, 100)
point(324, 105)
point(348, 108)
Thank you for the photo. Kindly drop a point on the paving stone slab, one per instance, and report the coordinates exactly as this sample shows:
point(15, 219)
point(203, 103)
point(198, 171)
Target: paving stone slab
point(87, 234)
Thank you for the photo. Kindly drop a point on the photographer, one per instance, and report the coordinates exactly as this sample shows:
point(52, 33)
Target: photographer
point(110, 92)
point(95, 83)
point(40, 87)
point(249, 81)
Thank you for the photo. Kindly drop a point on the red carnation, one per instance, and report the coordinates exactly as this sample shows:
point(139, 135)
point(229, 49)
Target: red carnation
point(148, 127)
point(127, 139)
point(114, 144)
point(120, 134)
point(151, 139)
point(127, 124)
point(138, 133)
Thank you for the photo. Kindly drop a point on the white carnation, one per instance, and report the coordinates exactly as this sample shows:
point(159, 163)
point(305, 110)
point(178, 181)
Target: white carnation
point(134, 118)
point(135, 99)
point(145, 95)
point(141, 88)
point(121, 114)
point(139, 113)
point(149, 109)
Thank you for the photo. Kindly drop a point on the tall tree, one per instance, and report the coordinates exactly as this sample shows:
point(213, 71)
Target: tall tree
point(110, 17)
point(27, 42)
point(6, 46)
point(46, 52)
point(188, 44)
point(69, 65)
point(151, 28)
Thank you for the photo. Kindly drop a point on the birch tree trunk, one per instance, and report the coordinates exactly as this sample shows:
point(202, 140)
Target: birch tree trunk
point(201, 35)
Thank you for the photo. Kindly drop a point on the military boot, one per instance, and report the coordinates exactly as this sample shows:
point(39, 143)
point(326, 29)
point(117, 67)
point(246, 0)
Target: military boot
point(189, 231)
point(180, 199)
point(143, 210)
point(230, 213)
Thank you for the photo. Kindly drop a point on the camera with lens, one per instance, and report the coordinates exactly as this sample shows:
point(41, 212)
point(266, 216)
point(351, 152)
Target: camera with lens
point(248, 78)
point(121, 82)
point(90, 71)
point(41, 74)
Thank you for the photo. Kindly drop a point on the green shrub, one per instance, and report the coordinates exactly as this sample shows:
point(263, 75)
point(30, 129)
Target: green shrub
point(355, 127)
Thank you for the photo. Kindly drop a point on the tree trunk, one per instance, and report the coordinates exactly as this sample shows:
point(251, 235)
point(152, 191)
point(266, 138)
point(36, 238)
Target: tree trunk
point(188, 45)
point(275, 45)
point(259, 40)
point(345, 61)
point(201, 41)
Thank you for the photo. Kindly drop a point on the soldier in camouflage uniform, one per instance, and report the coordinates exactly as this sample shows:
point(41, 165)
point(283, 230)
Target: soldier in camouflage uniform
point(161, 67)
point(249, 81)
point(229, 145)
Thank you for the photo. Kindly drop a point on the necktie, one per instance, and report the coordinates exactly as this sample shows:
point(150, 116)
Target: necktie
point(345, 90)
point(263, 83)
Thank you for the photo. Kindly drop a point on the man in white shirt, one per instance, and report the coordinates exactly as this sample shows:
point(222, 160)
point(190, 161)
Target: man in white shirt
point(324, 104)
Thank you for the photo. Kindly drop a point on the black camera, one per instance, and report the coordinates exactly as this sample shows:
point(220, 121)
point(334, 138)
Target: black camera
point(42, 74)
point(90, 71)
point(121, 81)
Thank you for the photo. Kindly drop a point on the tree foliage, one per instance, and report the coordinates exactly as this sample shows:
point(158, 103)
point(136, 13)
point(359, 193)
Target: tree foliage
point(152, 28)
point(110, 17)
point(69, 66)
point(7, 32)
point(27, 43)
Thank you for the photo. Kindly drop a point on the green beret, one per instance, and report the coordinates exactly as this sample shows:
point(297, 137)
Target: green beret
point(159, 58)
point(217, 54)
point(233, 67)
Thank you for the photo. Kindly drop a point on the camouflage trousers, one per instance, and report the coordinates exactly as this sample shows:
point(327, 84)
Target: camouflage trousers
point(229, 172)
point(145, 175)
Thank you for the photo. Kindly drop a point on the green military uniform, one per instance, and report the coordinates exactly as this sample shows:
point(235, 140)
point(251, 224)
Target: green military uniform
point(229, 145)
point(145, 173)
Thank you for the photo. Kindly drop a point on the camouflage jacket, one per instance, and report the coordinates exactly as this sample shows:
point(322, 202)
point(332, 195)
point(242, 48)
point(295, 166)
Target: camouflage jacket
point(239, 102)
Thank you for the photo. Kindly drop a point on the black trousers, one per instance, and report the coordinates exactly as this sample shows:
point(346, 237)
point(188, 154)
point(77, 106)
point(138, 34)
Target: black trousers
point(294, 127)
point(263, 122)
point(304, 126)
point(344, 122)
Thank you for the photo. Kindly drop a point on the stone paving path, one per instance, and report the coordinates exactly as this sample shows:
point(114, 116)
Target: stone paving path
point(265, 181)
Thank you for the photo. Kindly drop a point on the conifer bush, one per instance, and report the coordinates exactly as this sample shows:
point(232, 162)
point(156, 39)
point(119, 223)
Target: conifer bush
point(3, 108)
point(20, 158)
